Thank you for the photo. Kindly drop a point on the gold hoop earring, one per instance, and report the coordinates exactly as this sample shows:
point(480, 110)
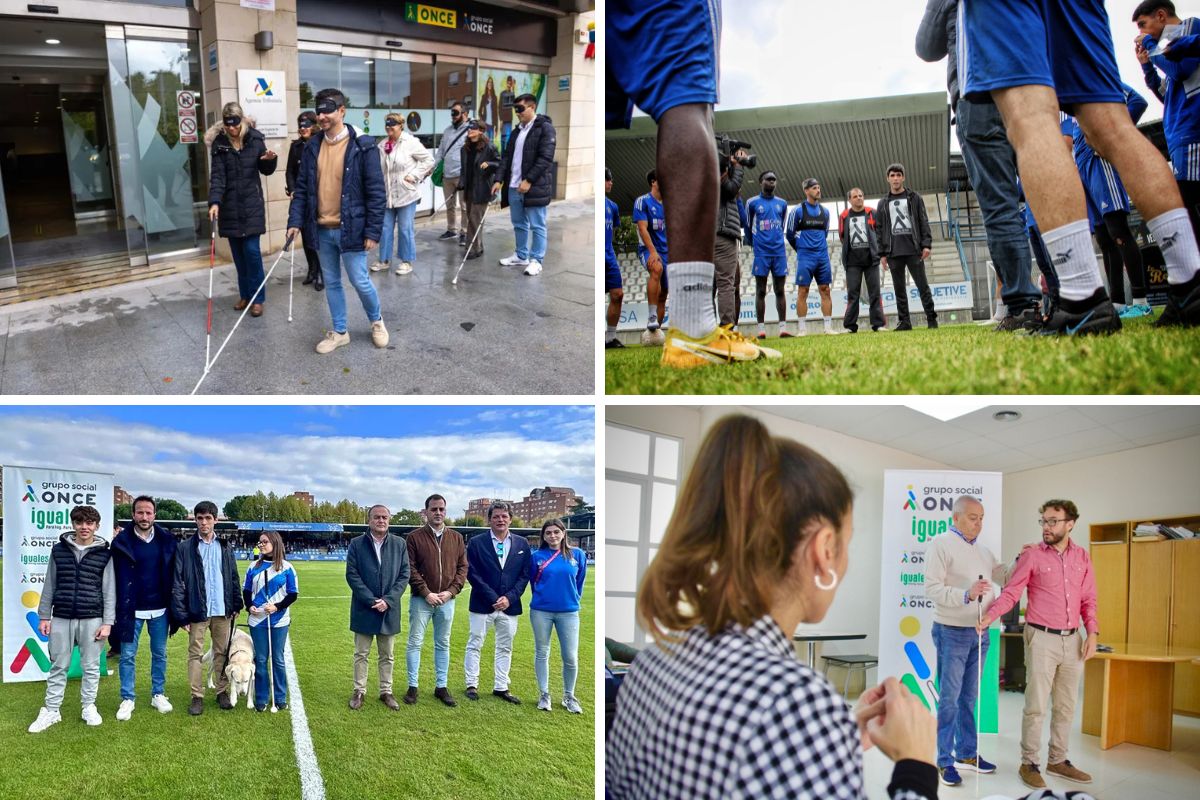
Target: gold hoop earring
point(826, 587)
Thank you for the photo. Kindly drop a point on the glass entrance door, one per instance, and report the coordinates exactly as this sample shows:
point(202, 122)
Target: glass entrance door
point(160, 140)
point(8, 269)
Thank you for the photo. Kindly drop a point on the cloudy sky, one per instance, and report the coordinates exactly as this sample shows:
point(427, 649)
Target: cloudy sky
point(775, 52)
point(370, 454)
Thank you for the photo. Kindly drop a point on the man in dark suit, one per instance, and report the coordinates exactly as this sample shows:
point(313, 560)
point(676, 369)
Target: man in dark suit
point(498, 570)
point(377, 571)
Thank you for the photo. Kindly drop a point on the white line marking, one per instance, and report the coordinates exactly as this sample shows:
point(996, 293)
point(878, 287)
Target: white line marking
point(312, 785)
point(323, 597)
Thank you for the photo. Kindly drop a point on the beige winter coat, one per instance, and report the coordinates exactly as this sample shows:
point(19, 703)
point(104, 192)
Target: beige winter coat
point(408, 157)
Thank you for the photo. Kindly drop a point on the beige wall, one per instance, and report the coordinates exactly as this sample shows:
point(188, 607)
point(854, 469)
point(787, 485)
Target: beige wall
point(1153, 481)
point(573, 111)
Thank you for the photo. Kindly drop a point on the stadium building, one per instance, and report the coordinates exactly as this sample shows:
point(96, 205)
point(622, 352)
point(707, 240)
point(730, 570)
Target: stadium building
point(104, 167)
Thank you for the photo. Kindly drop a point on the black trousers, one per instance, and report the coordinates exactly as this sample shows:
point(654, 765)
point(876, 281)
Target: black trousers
point(916, 266)
point(854, 279)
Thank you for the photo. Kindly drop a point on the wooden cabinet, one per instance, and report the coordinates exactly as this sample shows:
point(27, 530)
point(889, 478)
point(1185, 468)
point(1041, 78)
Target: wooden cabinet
point(1148, 593)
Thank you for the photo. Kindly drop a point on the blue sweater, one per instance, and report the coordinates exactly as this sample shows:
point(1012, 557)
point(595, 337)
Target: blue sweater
point(147, 574)
point(561, 583)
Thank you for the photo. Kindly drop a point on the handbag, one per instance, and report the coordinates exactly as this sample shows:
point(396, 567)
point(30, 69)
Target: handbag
point(439, 168)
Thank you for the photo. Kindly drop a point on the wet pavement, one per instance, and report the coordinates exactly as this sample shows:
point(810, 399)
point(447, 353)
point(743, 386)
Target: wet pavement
point(496, 332)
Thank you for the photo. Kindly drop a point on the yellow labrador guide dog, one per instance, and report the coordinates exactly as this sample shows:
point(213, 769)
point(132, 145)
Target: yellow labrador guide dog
point(239, 668)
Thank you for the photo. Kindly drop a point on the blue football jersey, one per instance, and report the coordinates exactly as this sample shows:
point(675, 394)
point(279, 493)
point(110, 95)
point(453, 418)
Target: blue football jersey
point(807, 227)
point(647, 209)
point(764, 218)
point(611, 219)
point(1181, 108)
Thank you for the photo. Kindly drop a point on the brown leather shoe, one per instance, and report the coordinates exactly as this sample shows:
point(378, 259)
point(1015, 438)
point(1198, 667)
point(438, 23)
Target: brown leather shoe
point(410, 696)
point(389, 700)
point(256, 310)
point(356, 701)
point(1031, 777)
point(443, 694)
point(240, 304)
point(1064, 769)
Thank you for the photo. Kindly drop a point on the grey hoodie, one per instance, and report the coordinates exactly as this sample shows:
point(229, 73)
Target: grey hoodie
point(109, 581)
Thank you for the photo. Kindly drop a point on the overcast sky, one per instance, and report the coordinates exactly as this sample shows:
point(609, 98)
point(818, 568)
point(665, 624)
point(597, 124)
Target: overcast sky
point(370, 454)
point(775, 52)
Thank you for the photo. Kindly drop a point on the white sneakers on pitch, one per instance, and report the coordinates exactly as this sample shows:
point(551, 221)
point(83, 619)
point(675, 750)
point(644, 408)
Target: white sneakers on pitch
point(45, 719)
point(534, 268)
point(514, 261)
point(90, 715)
point(161, 703)
point(125, 710)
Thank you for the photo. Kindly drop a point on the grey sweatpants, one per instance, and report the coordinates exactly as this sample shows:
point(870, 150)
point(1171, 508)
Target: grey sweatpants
point(64, 635)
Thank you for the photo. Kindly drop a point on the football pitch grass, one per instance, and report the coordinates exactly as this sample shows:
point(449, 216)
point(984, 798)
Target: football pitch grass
point(483, 749)
point(958, 359)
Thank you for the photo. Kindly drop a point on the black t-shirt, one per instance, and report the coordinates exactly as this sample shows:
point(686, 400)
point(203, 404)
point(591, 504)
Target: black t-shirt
point(857, 239)
point(904, 235)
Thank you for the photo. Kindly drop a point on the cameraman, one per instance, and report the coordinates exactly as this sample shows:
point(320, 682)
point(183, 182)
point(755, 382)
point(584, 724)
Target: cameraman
point(727, 286)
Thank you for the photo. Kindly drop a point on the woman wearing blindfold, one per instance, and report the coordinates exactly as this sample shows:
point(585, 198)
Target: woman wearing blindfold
point(235, 198)
point(405, 163)
point(306, 123)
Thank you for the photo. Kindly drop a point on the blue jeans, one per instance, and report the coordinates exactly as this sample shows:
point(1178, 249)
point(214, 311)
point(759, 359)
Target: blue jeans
point(992, 164)
point(158, 657)
point(957, 669)
point(355, 261)
point(419, 614)
point(406, 242)
point(262, 682)
point(567, 625)
point(247, 257)
point(526, 221)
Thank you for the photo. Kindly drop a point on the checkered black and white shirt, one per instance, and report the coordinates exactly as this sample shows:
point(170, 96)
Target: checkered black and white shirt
point(737, 716)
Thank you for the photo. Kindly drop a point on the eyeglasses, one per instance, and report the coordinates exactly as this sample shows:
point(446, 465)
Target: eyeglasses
point(1050, 523)
point(264, 541)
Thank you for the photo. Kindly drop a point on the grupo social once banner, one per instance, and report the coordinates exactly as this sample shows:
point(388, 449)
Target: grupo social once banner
point(946, 297)
point(37, 511)
point(917, 509)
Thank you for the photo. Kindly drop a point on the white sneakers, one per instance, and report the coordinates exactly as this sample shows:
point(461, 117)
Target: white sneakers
point(380, 266)
point(571, 704)
point(404, 268)
point(379, 334)
point(125, 710)
point(544, 702)
point(514, 261)
point(90, 715)
point(534, 268)
point(161, 703)
point(45, 719)
point(332, 341)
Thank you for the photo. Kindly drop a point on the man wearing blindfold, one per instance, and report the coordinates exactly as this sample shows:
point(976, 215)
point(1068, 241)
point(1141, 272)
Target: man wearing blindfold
point(526, 185)
point(340, 191)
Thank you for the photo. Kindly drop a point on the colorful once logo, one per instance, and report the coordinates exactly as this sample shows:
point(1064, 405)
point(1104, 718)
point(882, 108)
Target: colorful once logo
point(911, 502)
point(264, 89)
point(430, 15)
point(31, 648)
point(29, 497)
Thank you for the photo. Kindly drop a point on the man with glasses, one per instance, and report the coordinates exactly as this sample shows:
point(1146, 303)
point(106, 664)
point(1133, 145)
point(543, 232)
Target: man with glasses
point(340, 191)
point(955, 567)
point(1062, 592)
point(450, 153)
point(498, 569)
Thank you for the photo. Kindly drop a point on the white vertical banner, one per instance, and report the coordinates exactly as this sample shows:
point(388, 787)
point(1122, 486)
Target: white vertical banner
point(261, 95)
point(37, 511)
point(917, 509)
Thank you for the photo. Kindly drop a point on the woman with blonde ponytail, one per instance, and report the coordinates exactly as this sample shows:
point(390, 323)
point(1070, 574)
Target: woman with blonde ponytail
point(719, 706)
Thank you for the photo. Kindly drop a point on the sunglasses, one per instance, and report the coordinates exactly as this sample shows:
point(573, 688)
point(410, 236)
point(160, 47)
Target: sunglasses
point(517, 107)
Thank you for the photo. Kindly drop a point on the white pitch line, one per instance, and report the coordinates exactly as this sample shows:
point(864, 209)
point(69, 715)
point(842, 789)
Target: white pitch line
point(312, 785)
point(324, 597)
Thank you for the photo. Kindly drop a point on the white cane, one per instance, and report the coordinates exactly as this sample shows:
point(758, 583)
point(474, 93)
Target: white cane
point(291, 282)
point(978, 686)
point(270, 658)
point(471, 244)
point(212, 261)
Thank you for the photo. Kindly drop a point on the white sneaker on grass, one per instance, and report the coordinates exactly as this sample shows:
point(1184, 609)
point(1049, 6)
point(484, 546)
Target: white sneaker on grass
point(514, 261)
point(125, 710)
point(45, 719)
point(161, 703)
point(90, 715)
point(571, 704)
point(544, 703)
point(534, 268)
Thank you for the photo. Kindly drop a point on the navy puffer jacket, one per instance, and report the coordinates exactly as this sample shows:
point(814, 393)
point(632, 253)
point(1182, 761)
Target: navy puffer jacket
point(363, 195)
point(236, 187)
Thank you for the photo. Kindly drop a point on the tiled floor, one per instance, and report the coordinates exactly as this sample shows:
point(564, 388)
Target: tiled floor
point(1125, 771)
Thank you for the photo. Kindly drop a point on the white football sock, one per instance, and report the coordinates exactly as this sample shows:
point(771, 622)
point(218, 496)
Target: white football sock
point(1172, 230)
point(693, 312)
point(1074, 259)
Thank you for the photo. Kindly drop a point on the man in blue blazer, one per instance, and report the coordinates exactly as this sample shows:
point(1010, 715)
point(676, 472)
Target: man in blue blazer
point(498, 570)
point(377, 572)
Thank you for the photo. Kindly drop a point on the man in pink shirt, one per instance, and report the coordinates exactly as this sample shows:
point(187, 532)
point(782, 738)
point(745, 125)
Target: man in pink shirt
point(1062, 591)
